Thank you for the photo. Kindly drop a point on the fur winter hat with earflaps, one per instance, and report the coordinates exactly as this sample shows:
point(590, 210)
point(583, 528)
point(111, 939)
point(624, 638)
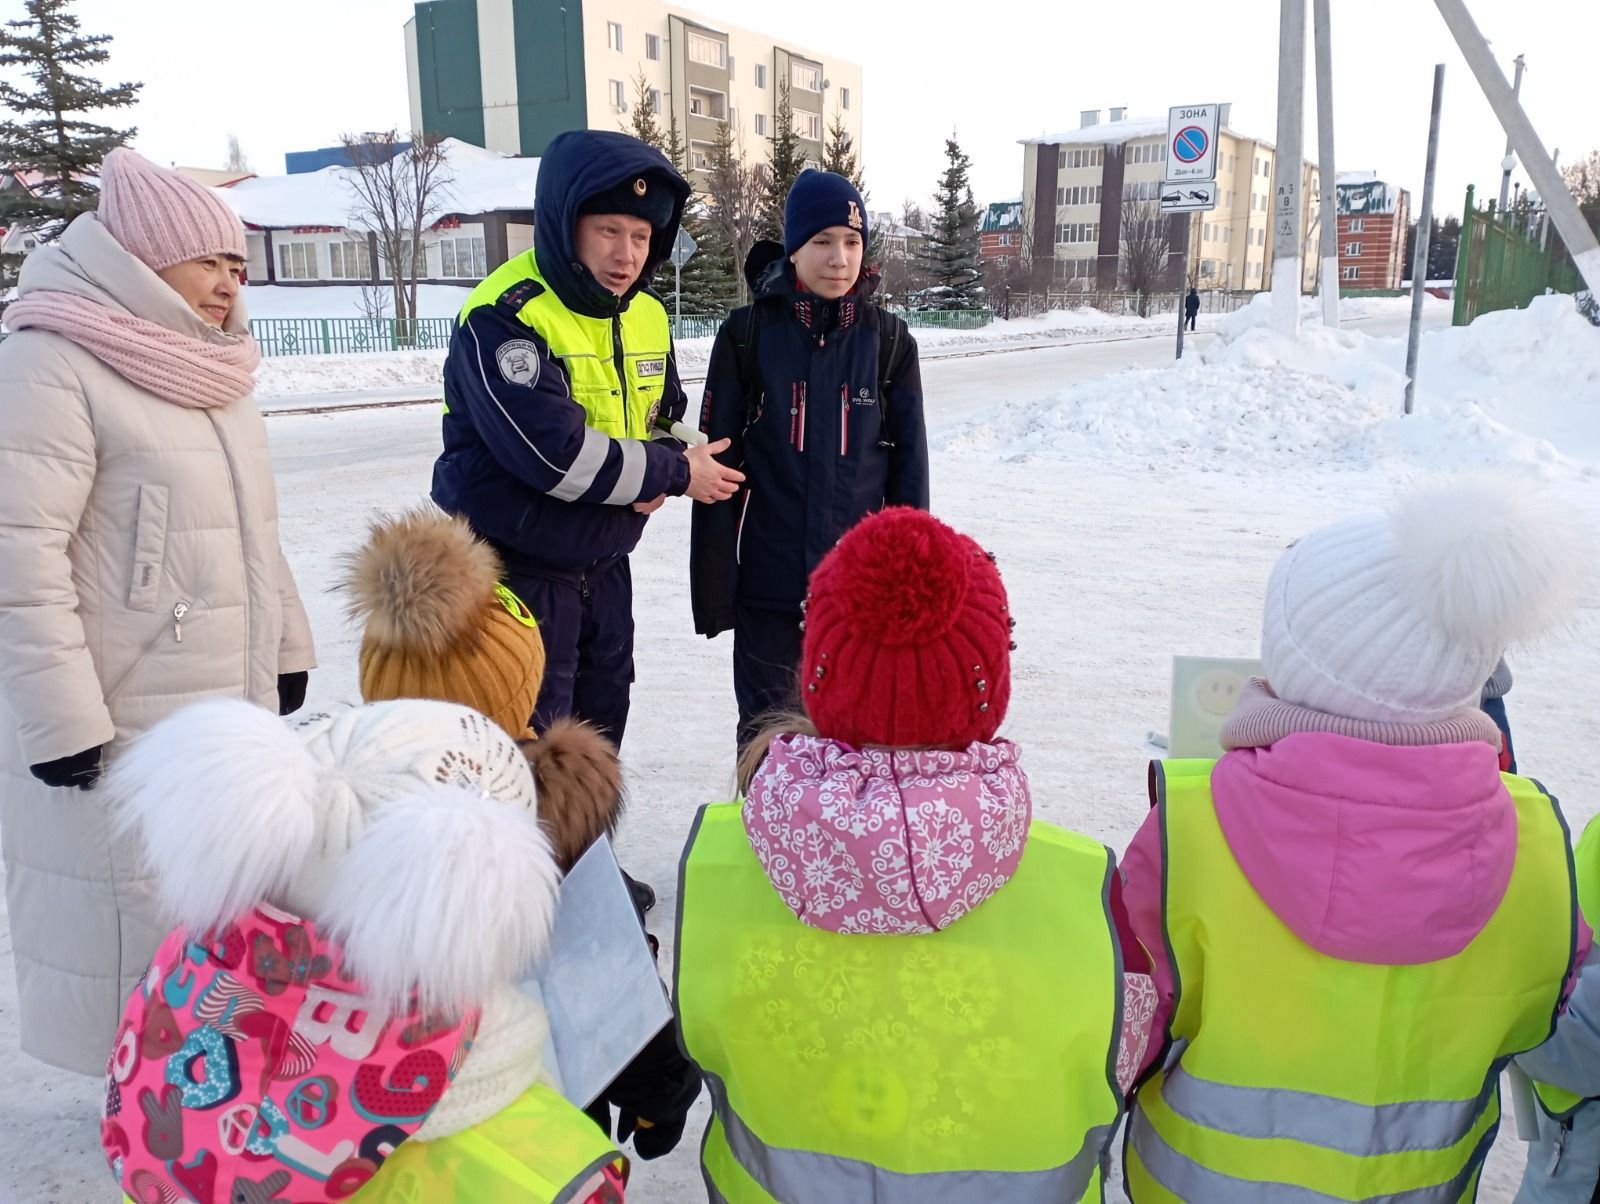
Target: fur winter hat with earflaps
point(1402, 617)
point(406, 831)
point(438, 623)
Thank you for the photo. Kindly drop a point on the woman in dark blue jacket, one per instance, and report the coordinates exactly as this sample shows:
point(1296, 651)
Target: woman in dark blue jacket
point(820, 392)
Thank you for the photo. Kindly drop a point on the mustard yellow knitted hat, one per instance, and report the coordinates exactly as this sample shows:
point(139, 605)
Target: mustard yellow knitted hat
point(438, 623)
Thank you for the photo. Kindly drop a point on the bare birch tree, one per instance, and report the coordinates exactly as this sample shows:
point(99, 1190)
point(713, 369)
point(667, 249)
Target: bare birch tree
point(399, 187)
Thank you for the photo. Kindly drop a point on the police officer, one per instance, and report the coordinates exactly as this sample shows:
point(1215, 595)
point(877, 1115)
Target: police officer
point(559, 372)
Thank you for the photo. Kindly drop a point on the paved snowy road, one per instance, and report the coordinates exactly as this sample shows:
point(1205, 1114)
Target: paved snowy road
point(1110, 572)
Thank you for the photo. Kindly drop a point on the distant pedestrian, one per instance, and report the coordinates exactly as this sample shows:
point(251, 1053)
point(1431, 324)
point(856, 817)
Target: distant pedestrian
point(1191, 306)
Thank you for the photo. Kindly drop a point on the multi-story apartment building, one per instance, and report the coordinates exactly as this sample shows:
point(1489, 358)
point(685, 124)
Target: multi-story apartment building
point(1373, 220)
point(1076, 182)
point(512, 74)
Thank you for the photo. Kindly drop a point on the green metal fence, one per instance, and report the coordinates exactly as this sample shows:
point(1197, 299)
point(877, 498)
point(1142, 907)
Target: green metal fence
point(342, 336)
point(1504, 262)
point(946, 319)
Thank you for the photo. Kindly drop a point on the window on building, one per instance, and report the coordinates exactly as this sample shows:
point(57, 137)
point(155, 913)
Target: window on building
point(613, 36)
point(731, 70)
point(806, 77)
point(1227, 235)
point(1352, 248)
point(761, 75)
point(811, 165)
point(350, 261)
point(705, 103)
point(707, 51)
point(761, 125)
point(809, 126)
point(699, 156)
point(655, 100)
point(419, 258)
point(462, 258)
point(619, 100)
point(1351, 272)
point(1357, 225)
point(844, 98)
point(652, 47)
point(297, 261)
point(1061, 196)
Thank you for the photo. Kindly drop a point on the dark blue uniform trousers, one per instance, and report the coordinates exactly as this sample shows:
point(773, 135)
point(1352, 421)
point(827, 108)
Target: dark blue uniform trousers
point(586, 621)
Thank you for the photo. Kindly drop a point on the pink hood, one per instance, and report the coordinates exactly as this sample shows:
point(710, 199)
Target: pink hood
point(1371, 853)
point(874, 840)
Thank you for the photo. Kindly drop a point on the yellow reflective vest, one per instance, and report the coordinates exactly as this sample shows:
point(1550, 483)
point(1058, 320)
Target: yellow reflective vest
point(1298, 1075)
point(972, 1064)
point(1558, 1101)
point(539, 1150)
point(616, 367)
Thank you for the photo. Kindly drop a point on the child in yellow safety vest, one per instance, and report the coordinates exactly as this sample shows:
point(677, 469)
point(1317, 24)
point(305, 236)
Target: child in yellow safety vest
point(1355, 877)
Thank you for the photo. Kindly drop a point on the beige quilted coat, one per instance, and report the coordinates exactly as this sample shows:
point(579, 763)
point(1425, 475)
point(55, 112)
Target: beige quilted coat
point(139, 571)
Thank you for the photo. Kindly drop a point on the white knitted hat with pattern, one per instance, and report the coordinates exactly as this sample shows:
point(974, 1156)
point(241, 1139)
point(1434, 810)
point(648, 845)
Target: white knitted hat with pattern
point(1402, 617)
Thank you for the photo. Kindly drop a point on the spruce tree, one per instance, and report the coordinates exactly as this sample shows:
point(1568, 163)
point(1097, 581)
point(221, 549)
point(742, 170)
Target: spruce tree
point(784, 165)
point(839, 156)
point(951, 258)
point(643, 124)
point(46, 129)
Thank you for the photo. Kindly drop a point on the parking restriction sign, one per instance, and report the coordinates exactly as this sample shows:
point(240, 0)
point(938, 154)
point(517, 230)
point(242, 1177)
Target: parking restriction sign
point(1192, 143)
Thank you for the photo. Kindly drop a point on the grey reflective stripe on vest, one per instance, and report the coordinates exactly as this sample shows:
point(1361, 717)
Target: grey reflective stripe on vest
point(1323, 1120)
point(807, 1177)
point(631, 478)
point(1188, 1180)
point(585, 467)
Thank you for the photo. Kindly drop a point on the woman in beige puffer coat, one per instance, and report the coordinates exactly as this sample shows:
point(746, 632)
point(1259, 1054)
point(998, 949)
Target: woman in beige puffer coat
point(140, 568)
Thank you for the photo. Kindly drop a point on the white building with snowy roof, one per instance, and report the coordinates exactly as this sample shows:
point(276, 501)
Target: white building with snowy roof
point(306, 230)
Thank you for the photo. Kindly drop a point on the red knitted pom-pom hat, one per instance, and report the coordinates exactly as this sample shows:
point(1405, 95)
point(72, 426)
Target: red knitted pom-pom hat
point(908, 637)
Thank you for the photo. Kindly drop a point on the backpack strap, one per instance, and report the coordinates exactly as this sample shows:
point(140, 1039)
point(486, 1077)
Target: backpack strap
point(744, 355)
point(890, 329)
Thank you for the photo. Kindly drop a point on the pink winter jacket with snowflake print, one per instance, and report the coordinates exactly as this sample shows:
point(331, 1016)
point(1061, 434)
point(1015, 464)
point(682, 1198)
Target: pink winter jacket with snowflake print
point(901, 842)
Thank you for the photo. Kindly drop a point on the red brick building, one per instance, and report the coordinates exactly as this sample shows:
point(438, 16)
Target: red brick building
point(1373, 219)
point(1000, 240)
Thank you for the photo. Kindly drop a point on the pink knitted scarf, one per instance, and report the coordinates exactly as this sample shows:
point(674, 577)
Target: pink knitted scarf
point(178, 367)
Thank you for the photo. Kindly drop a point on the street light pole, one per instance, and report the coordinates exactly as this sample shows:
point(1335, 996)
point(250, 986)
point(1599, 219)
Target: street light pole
point(1286, 190)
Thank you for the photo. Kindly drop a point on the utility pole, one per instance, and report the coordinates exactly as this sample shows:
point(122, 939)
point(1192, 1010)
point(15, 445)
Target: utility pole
point(1564, 212)
point(1509, 163)
point(1419, 260)
point(1322, 34)
point(1286, 188)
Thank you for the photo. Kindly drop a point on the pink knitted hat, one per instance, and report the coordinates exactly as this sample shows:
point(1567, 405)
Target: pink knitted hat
point(162, 217)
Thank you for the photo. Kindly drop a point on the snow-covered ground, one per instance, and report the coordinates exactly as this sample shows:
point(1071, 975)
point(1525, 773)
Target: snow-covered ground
point(1145, 530)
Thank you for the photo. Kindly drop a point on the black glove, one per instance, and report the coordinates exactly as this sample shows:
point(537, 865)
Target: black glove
point(292, 691)
point(80, 769)
point(651, 1139)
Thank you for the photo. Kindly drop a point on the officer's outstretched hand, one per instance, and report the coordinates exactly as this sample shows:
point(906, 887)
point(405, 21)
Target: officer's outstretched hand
point(709, 480)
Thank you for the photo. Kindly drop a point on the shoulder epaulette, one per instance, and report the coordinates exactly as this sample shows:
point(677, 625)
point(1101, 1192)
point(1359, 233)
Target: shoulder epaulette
point(519, 294)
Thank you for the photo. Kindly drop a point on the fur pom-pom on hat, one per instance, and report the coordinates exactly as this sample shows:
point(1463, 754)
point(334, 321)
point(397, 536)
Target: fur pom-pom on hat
point(447, 895)
point(1402, 617)
point(438, 623)
point(580, 787)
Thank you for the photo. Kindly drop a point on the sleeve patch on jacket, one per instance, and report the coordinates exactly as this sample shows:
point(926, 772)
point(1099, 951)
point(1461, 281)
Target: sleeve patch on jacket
point(519, 362)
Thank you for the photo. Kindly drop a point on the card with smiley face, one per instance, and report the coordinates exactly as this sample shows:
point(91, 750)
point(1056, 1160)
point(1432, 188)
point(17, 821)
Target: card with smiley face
point(1205, 689)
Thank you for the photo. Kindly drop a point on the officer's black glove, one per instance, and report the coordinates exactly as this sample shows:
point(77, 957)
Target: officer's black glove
point(292, 691)
point(651, 1139)
point(80, 769)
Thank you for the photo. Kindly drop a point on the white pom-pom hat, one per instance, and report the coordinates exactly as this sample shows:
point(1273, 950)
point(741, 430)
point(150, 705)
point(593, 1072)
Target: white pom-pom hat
point(1402, 617)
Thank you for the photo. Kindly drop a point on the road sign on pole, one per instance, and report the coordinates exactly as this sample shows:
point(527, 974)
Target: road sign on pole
point(683, 248)
point(1192, 142)
point(1200, 196)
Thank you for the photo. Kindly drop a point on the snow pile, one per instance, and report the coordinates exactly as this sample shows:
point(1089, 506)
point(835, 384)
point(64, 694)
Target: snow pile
point(1520, 388)
point(418, 374)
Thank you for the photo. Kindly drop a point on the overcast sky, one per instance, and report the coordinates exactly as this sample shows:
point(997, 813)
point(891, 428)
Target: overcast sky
point(295, 74)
